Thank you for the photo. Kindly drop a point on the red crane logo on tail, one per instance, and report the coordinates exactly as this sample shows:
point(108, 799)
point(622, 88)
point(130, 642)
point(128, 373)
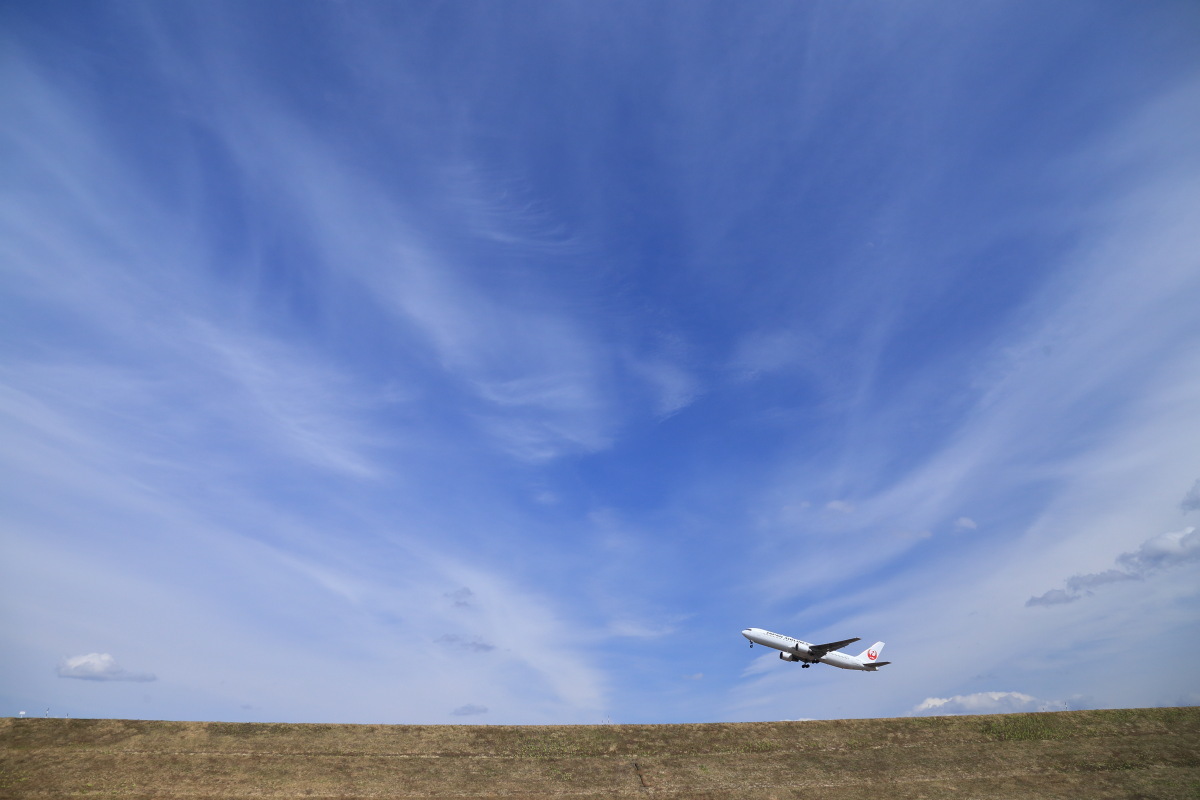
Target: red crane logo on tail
point(872, 654)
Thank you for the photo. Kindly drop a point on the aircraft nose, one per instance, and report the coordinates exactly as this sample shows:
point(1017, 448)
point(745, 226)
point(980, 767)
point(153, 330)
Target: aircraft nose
point(746, 632)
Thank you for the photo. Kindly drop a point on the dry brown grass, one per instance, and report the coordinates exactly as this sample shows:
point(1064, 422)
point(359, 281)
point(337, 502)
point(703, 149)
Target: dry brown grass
point(1151, 753)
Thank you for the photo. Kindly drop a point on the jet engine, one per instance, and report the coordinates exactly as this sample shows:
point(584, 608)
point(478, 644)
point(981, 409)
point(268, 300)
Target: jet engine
point(789, 657)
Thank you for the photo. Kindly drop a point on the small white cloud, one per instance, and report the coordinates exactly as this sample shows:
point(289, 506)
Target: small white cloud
point(461, 597)
point(965, 524)
point(696, 677)
point(98, 667)
point(840, 506)
point(985, 703)
point(469, 710)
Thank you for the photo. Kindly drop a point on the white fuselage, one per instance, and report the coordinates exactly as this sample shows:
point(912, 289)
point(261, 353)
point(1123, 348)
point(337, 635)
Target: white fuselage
point(798, 650)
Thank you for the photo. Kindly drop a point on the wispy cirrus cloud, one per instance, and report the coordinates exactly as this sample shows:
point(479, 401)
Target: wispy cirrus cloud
point(178, 395)
point(537, 377)
point(146, 334)
point(309, 407)
point(1036, 383)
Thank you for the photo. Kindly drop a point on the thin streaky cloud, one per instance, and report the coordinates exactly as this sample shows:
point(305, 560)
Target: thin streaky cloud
point(1158, 553)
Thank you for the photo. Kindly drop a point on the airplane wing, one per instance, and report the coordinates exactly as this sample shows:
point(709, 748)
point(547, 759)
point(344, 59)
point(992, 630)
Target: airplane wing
point(822, 650)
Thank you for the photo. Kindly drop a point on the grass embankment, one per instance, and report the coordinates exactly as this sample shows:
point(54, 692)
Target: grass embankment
point(1074, 754)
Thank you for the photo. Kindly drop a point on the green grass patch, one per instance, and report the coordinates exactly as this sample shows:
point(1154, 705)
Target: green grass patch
point(1023, 728)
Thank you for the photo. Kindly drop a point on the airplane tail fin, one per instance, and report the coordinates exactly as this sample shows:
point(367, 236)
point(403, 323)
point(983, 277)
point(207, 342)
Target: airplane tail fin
point(871, 654)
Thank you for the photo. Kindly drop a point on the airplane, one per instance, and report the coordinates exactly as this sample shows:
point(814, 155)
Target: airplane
point(796, 650)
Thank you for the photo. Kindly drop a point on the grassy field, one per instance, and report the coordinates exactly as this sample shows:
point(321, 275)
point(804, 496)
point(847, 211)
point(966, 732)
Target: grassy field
point(1152, 753)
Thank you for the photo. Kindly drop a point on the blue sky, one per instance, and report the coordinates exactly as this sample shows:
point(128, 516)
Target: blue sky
point(500, 362)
